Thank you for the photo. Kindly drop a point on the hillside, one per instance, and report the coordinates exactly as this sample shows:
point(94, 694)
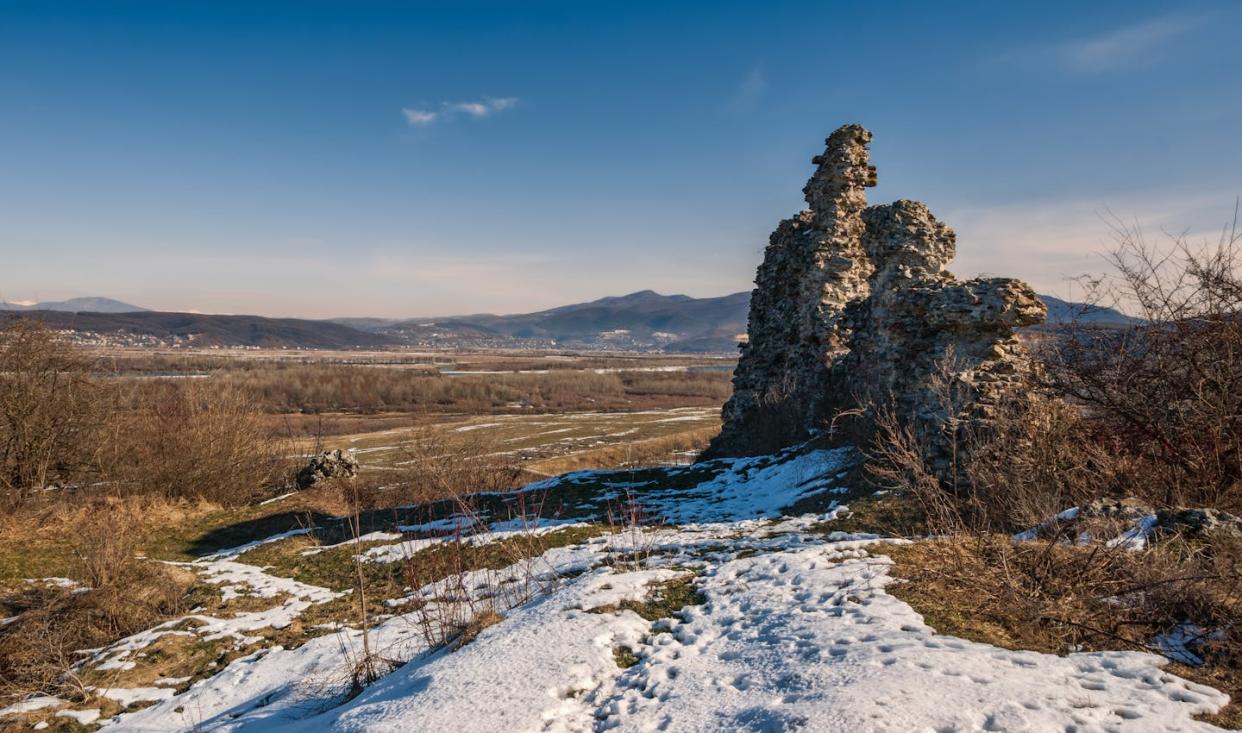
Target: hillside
point(734, 611)
point(195, 329)
point(641, 321)
point(1063, 311)
point(645, 320)
point(75, 305)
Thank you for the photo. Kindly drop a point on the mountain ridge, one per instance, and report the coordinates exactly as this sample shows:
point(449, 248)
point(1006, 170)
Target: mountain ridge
point(642, 321)
point(89, 304)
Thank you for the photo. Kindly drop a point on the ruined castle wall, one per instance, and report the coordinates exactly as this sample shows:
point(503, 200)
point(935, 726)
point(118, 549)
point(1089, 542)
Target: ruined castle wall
point(812, 268)
point(853, 306)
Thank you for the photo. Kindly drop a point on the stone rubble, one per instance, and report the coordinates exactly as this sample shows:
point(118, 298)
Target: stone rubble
point(853, 307)
point(326, 465)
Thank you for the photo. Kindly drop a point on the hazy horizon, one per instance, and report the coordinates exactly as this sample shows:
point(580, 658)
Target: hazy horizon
point(423, 160)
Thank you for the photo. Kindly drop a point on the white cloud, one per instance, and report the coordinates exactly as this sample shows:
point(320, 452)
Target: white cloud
point(448, 110)
point(1123, 47)
point(419, 117)
point(474, 109)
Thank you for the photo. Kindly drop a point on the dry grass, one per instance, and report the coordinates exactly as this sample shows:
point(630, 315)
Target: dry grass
point(648, 452)
point(62, 539)
point(39, 648)
point(1057, 598)
point(483, 620)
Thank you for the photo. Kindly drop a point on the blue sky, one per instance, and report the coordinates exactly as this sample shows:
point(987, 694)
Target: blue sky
point(398, 159)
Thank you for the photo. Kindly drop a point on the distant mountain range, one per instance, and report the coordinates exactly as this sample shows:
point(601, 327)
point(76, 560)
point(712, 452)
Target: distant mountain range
point(75, 305)
point(642, 321)
point(1063, 311)
point(154, 328)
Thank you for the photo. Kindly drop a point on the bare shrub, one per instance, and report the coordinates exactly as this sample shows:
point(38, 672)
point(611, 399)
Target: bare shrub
point(193, 438)
point(50, 624)
point(105, 549)
point(468, 582)
point(1012, 465)
point(368, 665)
point(463, 585)
point(1152, 409)
point(51, 412)
point(1031, 460)
point(895, 461)
point(285, 387)
point(1167, 389)
point(629, 528)
point(436, 465)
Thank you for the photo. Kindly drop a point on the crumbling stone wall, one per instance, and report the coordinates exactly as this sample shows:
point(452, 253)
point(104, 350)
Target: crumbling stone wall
point(854, 306)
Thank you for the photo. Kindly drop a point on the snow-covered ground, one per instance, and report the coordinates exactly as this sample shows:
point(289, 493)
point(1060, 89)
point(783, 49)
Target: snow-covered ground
point(794, 632)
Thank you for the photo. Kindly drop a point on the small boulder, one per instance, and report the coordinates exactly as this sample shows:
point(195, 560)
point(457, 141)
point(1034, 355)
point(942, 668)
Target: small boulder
point(1198, 522)
point(1126, 509)
point(326, 465)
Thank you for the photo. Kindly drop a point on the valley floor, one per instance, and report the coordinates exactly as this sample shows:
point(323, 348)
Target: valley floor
point(736, 610)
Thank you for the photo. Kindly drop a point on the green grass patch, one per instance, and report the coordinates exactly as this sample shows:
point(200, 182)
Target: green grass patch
point(665, 599)
point(624, 656)
point(333, 568)
point(888, 514)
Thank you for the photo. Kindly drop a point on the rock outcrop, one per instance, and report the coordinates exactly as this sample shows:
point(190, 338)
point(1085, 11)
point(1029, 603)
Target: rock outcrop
point(853, 307)
point(326, 465)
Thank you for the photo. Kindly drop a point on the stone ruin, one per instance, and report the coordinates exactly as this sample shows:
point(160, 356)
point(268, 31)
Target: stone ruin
point(853, 307)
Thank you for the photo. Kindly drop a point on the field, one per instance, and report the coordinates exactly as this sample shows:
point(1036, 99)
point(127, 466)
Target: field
point(531, 414)
point(546, 444)
point(548, 412)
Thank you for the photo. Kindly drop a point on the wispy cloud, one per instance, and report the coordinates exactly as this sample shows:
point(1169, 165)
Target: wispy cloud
point(419, 117)
point(750, 89)
point(1048, 243)
point(1124, 47)
point(445, 111)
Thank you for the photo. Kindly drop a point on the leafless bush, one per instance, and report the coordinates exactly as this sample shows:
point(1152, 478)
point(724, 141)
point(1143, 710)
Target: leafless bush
point(285, 387)
point(50, 625)
point(466, 585)
point(1167, 389)
point(1028, 458)
point(368, 664)
point(468, 581)
point(51, 412)
point(191, 438)
point(896, 462)
point(65, 423)
point(1152, 409)
point(437, 465)
point(105, 549)
point(630, 528)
